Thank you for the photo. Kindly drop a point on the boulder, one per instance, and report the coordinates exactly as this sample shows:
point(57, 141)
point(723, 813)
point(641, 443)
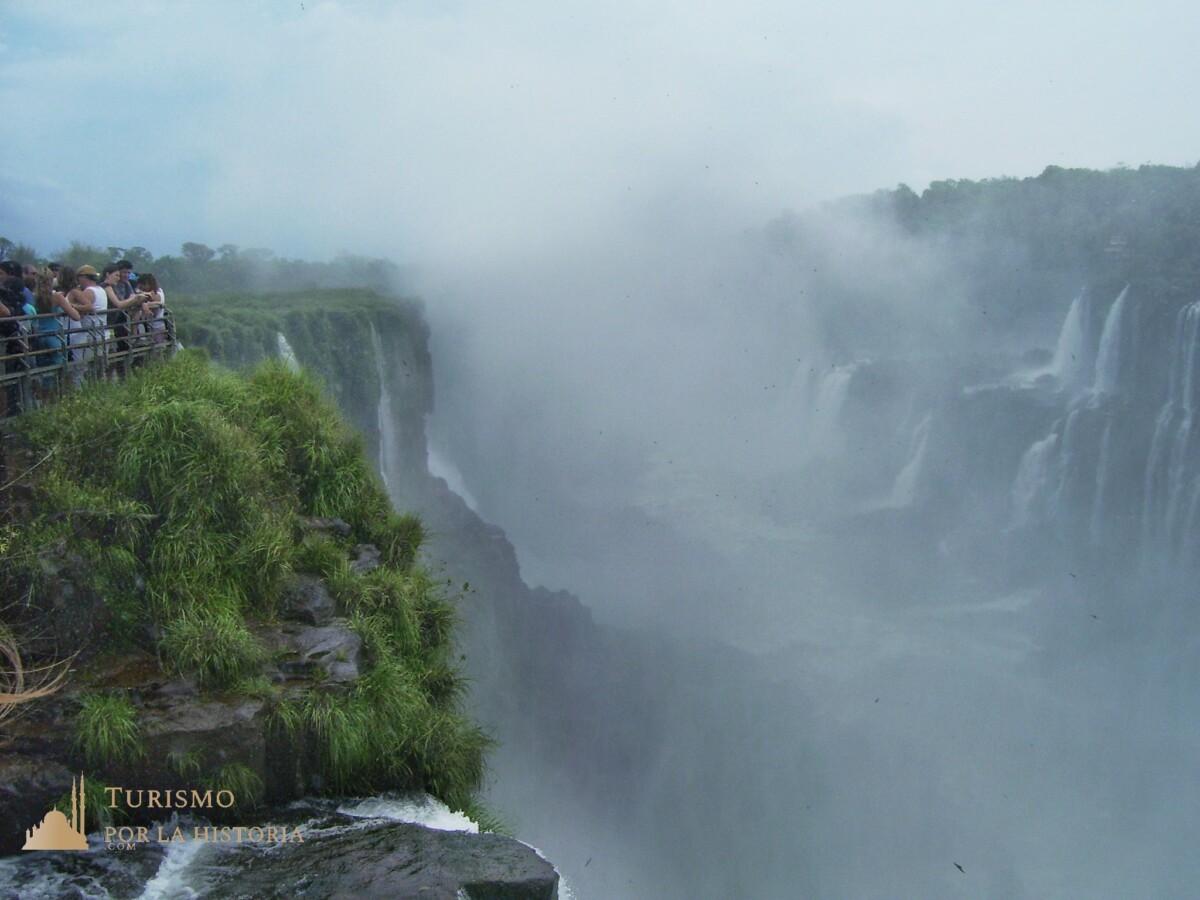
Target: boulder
point(387, 860)
point(366, 559)
point(306, 599)
point(331, 653)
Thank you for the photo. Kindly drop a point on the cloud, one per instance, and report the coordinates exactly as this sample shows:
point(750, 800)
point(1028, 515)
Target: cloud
point(438, 131)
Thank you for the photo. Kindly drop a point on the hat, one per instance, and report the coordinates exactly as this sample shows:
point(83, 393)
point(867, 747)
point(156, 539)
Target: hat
point(89, 271)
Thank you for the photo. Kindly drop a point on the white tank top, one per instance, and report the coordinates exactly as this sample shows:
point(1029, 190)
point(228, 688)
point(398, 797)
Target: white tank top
point(98, 317)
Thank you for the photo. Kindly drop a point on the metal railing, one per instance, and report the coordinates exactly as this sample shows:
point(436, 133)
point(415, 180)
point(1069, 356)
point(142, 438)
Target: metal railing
point(38, 365)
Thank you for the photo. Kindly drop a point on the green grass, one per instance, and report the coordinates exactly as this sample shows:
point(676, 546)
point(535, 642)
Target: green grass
point(97, 812)
point(183, 488)
point(244, 783)
point(107, 730)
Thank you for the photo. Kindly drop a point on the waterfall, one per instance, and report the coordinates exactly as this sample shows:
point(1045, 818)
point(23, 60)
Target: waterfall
point(1172, 496)
point(441, 467)
point(904, 490)
point(1072, 363)
point(1112, 355)
point(1033, 479)
point(286, 353)
point(385, 419)
point(826, 408)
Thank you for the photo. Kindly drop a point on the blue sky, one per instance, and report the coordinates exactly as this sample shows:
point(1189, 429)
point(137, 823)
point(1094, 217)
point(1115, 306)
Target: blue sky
point(426, 131)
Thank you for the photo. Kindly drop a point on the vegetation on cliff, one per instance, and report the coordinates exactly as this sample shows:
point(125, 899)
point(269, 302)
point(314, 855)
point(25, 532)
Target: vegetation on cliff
point(189, 492)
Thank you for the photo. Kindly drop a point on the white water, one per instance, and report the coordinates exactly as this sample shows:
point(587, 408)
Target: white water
point(441, 467)
point(904, 490)
point(286, 353)
point(1072, 361)
point(385, 419)
point(827, 408)
point(34, 876)
point(1114, 346)
point(817, 394)
point(1032, 481)
point(421, 810)
point(1172, 490)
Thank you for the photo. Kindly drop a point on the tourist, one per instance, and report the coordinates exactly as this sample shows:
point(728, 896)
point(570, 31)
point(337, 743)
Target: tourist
point(124, 287)
point(154, 306)
point(92, 302)
point(50, 330)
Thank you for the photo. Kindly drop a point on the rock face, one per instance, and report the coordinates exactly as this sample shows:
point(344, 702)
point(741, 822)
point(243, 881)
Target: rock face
point(340, 856)
point(391, 860)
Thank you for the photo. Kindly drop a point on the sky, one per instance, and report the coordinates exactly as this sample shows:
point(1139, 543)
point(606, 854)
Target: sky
point(430, 132)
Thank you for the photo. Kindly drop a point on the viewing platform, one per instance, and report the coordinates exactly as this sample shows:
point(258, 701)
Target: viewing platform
point(32, 373)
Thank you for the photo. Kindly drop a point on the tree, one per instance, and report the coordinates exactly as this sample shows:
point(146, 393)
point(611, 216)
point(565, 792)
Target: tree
point(197, 254)
point(141, 258)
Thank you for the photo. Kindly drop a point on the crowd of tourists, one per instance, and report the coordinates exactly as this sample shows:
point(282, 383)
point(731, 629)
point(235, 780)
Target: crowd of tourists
point(63, 319)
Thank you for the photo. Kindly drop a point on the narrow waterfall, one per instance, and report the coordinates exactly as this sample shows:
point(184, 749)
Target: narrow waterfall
point(1114, 349)
point(286, 353)
point(826, 408)
point(904, 490)
point(385, 419)
point(1073, 359)
point(1172, 496)
point(1032, 486)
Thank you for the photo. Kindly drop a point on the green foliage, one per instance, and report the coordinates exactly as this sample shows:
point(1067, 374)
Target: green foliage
point(97, 813)
point(487, 820)
point(218, 647)
point(107, 730)
point(240, 780)
point(184, 487)
point(319, 554)
point(187, 764)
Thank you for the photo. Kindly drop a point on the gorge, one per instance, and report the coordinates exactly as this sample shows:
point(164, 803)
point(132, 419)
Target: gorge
point(869, 537)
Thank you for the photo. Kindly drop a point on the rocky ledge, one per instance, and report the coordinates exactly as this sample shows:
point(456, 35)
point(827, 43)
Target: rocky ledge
point(341, 856)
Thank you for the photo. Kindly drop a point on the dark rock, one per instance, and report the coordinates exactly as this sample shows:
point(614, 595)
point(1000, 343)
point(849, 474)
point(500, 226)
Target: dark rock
point(390, 860)
point(337, 526)
point(366, 559)
point(306, 599)
point(331, 653)
point(70, 619)
point(28, 789)
point(217, 731)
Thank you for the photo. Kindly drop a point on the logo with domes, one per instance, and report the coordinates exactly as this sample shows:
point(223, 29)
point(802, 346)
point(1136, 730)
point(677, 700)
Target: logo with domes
point(56, 831)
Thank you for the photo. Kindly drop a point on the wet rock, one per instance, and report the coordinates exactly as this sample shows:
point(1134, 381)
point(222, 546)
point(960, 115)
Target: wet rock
point(28, 789)
point(306, 599)
point(388, 860)
point(70, 619)
point(366, 559)
point(331, 653)
point(336, 526)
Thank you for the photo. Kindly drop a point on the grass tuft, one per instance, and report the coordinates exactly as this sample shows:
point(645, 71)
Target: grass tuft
point(107, 730)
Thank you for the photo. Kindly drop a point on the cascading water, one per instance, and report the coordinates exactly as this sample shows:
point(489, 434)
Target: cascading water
point(1073, 363)
point(386, 420)
point(1065, 479)
point(1172, 495)
point(825, 408)
point(1034, 477)
point(1116, 340)
point(286, 353)
point(904, 490)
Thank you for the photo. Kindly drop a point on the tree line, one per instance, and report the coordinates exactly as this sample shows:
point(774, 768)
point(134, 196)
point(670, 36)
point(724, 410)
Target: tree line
point(198, 268)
